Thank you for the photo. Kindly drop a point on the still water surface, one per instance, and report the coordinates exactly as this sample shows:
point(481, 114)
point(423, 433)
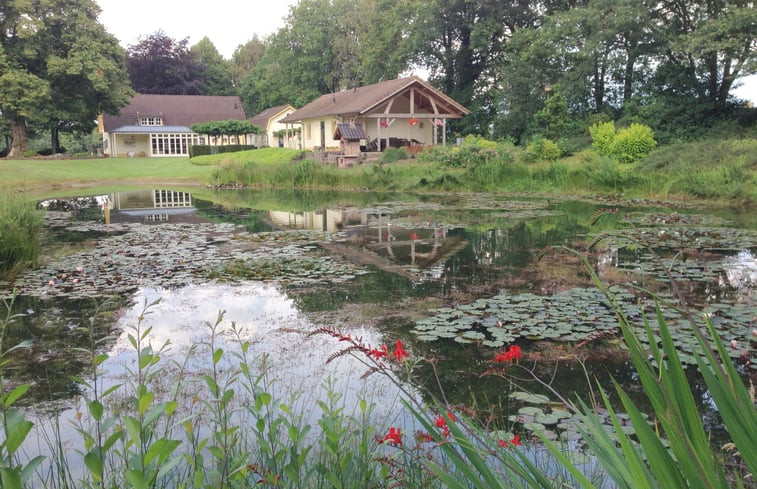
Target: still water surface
point(379, 267)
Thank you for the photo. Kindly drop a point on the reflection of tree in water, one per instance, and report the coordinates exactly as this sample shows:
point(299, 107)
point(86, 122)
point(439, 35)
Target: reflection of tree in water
point(54, 330)
point(83, 208)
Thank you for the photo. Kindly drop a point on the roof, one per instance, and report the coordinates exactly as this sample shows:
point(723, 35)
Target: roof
point(151, 129)
point(362, 100)
point(176, 110)
point(349, 132)
point(264, 117)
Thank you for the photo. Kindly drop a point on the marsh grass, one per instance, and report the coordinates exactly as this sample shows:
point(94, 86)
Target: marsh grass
point(20, 227)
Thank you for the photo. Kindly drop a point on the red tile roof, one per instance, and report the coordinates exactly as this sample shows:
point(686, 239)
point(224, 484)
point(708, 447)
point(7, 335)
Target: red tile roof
point(177, 110)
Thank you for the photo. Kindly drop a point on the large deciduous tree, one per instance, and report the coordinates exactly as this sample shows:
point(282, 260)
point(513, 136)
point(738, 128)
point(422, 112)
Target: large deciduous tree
point(246, 56)
point(216, 73)
point(60, 68)
point(710, 43)
point(459, 41)
point(159, 64)
point(327, 46)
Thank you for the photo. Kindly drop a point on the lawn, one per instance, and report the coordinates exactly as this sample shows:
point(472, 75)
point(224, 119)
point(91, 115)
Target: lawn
point(32, 174)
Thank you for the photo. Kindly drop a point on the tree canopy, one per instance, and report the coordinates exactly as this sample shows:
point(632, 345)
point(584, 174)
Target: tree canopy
point(228, 127)
point(60, 68)
point(158, 64)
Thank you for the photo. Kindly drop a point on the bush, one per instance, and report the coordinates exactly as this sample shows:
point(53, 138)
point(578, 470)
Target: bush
point(29, 153)
point(393, 154)
point(633, 143)
point(205, 149)
point(541, 149)
point(602, 137)
point(20, 225)
point(627, 145)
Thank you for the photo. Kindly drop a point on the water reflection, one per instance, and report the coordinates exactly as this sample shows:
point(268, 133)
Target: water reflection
point(423, 252)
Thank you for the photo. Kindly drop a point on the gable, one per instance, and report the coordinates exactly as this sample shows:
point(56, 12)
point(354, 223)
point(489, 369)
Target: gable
point(376, 97)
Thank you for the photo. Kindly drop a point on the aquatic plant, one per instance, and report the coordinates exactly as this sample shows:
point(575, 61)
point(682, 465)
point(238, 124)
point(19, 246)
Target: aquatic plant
point(20, 227)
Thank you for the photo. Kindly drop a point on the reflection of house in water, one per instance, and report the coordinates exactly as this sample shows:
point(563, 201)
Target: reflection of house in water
point(405, 245)
point(329, 220)
point(151, 206)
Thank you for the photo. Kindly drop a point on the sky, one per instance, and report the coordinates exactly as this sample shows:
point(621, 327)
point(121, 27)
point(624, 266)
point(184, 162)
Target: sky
point(227, 23)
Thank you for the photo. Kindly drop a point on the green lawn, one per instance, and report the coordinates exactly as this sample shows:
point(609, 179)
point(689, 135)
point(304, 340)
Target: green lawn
point(31, 174)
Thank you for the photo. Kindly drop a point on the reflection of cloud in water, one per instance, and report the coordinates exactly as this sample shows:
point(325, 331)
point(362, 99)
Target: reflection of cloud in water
point(269, 320)
point(741, 270)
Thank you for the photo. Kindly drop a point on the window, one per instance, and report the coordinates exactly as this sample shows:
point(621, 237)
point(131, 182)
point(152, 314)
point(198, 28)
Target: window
point(172, 144)
point(150, 121)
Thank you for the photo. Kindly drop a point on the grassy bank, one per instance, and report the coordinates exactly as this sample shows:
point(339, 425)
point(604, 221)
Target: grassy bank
point(722, 170)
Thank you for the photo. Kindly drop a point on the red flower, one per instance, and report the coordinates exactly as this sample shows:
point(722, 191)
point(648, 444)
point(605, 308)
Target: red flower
point(394, 437)
point(515, 441)
point(399, 352)
point(512, 353)
point(441, 422)
point(515, 353)
point(377, 354)
point(413, 236)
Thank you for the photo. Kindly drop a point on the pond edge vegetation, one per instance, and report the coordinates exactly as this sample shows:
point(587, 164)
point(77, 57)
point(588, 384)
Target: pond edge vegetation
point(147, 437)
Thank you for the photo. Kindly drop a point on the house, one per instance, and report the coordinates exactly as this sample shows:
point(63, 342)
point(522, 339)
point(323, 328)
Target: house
point(160, 125)
point(401, 112)
point(274, 132)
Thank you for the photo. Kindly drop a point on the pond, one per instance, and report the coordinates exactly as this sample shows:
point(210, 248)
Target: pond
point(456, 278)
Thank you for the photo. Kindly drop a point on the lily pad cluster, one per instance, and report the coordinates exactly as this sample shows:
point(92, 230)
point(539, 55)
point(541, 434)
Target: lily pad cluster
point(577, 315)
point(682, 232)
point(172, 255)
point(290, 265)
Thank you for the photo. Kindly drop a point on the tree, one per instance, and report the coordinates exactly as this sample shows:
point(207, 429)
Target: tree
point(327, 46)
point(215, 73)
point(459, 41)
point(60, 68)
point(159, 64)
point(710, 43)
point(246, 56)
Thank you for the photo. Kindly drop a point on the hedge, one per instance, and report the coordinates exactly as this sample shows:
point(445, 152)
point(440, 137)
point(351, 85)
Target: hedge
point(206, 149)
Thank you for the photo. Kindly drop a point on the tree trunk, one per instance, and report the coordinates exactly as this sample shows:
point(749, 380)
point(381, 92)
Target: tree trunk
point(18, 129)
point(54, 140)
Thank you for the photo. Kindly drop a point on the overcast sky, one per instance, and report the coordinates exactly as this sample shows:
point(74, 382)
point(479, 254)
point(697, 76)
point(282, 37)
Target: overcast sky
point(227, 23)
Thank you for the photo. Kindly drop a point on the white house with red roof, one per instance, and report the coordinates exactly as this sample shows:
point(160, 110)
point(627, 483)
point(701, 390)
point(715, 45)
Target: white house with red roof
point(160, 125)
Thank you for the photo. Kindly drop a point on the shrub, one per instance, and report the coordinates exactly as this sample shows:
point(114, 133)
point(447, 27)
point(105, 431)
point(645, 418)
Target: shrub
point(391, 155)
point(627, 145)
point(205, 149)
point(602, 137)
point(540, 149)
point(633, 143)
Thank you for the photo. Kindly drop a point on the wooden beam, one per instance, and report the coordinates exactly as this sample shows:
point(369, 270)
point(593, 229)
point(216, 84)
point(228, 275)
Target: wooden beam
point(409, 116)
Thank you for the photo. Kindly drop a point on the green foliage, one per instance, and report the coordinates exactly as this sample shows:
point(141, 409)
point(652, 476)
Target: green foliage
point(602, 137)
point(227, 127)
point(207, 149)
point(633, 143)
point(61, 67)
point(541, 149)
point(391, 155)
point(627, 145)
point(14, 427)
point(216, 72)
point(20, 227)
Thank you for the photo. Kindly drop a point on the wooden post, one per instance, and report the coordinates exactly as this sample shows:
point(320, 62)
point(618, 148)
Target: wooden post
point(378, 133)
point(444, 132)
